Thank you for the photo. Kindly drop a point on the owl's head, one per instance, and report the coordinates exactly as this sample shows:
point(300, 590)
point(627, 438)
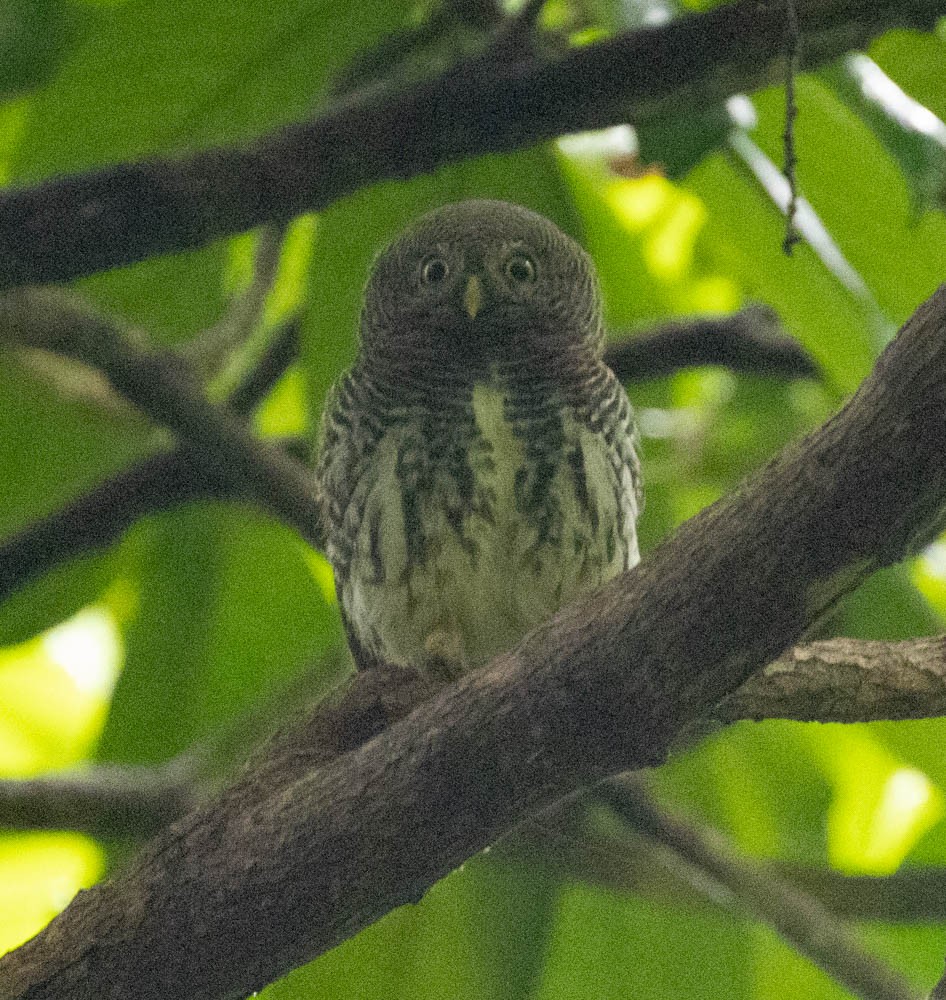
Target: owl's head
point(480, 283)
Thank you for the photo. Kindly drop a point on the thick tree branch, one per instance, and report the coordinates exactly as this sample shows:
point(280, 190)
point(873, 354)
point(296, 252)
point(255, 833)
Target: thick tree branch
point(835, 680)
point(291, 861)
point(78, 225)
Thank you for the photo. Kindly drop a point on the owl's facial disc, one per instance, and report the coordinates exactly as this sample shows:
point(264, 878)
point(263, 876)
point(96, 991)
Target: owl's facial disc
point(481, 282)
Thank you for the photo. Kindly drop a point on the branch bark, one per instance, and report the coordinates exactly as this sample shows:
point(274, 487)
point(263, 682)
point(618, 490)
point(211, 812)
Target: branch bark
point(750, 341)
point(834, 680)
point(78, 225)
point(846, 680)
point(290, 861)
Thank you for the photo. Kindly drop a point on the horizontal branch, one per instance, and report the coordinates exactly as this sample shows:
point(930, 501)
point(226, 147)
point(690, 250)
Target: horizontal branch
point(846, 680)
point(106, 801)
point(78, 225)
point(291, 860)
point(750, 342)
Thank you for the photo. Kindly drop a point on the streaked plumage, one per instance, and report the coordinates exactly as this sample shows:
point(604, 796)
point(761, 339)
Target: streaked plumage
point(478, 461)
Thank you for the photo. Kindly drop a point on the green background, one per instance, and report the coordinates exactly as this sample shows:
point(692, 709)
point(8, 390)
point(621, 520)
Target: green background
point(200, 613)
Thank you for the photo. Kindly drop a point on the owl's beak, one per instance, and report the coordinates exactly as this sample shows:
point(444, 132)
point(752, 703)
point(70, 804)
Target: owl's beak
point(473, 296)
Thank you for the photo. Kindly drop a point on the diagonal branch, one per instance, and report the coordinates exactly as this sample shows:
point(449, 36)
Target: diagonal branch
point(162, 386)
point(835, 680)
point(911, 895)
point(160, 482)
point(291, 860)
point(804, 922)
point(78, 225)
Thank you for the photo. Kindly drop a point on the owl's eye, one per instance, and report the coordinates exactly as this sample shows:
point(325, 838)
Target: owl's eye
point(520, 268)
point(434, 270)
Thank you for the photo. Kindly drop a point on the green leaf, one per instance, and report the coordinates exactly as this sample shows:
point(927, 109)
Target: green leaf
point(912, 134)
point(34, 37)
point(225, 611)
point(678, 142)
point(611, 947)
point(52, 598)
point(481, 934)
point(866, 207)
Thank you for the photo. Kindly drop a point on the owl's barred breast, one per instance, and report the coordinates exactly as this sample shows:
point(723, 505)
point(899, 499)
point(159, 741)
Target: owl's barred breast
point(466, 530)
point(477, 463)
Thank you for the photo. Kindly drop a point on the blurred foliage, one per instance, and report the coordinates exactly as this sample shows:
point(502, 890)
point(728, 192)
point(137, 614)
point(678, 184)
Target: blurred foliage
point(200, 613)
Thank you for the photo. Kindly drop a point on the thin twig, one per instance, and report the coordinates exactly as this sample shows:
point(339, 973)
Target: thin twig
point(211, 348)
point(135, 801)
point(804, 923)
point(792, 60)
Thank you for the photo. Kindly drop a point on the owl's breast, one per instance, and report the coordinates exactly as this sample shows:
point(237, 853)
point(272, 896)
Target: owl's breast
point(469, 532)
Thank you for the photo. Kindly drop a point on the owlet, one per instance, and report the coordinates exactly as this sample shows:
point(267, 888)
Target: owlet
point(477, 462)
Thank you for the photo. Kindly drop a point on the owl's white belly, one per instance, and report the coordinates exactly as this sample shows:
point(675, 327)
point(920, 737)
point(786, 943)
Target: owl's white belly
point(488, 577)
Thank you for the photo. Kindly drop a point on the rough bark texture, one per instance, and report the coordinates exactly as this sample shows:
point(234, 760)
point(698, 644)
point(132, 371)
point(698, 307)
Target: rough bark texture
point(846, 680)
point(78, 225)
point(289, 862)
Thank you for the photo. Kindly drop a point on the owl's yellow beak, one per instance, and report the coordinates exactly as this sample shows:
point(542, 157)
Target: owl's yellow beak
point(473, 296)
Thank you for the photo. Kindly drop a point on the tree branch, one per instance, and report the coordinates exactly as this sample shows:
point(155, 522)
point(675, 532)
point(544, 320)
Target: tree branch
point(160, 384)
point(846, 680)
point(160, 482)
point(291, 861)
point(801, 920)
point(107, 801)
point(910, 895)
point(835, 680)
point(78, 225)
point(750, 341)
point(211, 348)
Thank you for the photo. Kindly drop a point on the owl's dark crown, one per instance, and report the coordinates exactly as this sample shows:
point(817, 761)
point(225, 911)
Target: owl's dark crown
point(478, 285)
